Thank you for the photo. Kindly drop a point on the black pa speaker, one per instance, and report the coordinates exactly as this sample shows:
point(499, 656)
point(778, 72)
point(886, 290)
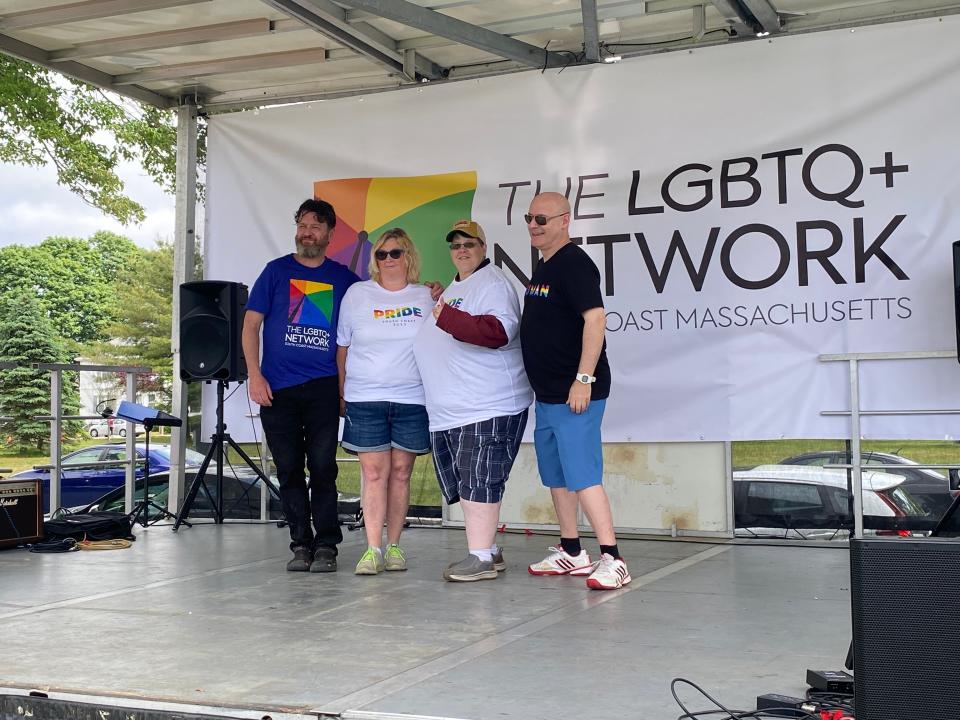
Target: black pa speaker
point(211, 322)
point(906, 628)
point(956, 292)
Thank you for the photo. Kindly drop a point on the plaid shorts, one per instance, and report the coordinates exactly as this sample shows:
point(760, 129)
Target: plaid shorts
point(474, 461)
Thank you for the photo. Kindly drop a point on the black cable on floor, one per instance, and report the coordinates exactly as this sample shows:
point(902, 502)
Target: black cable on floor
point(732, 714)
point(54, 546)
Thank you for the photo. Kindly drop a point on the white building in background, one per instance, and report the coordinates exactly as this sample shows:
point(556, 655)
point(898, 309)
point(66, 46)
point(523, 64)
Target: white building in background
point(99, 390)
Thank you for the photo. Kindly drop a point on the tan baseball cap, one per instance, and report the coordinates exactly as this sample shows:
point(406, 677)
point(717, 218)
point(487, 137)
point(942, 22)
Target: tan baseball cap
point(469, 228)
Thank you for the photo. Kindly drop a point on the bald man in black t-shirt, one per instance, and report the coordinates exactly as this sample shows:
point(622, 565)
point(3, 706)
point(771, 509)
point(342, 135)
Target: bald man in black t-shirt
point(564, 354)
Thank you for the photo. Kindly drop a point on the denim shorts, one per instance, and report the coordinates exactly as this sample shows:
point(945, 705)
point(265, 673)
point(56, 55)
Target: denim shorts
point(379, 426)
point(569, 453)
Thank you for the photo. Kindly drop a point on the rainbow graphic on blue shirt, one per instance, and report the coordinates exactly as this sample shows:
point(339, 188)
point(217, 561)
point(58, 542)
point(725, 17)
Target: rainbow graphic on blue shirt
point(311, 303)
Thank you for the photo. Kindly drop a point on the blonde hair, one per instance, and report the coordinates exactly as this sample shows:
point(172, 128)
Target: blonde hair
point(409, 252)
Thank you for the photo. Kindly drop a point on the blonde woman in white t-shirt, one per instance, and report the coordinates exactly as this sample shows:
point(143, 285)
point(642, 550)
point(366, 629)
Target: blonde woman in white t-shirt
point(385, 421)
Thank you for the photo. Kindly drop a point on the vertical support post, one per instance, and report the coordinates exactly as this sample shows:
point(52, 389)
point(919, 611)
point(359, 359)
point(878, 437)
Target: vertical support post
point(699, 22)
point(855, 447)
point(728, 469)
point(131, 479)
point(410, 64)
point(591, 30)
point(183, 262)
point(56, 432)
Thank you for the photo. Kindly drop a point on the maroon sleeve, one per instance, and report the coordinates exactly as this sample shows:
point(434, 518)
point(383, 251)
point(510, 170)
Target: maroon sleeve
point(483, 330)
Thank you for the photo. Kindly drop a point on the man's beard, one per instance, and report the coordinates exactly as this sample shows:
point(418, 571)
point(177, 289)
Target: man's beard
point(310, 251)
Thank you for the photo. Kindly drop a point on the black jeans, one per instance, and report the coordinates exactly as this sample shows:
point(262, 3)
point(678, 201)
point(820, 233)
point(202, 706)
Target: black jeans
point(302, 424)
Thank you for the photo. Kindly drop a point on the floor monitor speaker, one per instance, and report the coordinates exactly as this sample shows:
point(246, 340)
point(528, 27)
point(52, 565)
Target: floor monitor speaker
point(906, 628)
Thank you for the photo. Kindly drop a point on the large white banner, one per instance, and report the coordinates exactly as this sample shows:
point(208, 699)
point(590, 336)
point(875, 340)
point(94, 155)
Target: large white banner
point(750, 208)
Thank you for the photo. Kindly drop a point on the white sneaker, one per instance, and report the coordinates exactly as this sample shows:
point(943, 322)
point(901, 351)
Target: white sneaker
point(560, 563)
point(611, 573)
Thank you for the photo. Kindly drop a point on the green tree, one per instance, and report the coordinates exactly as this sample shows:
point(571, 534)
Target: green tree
point(140, 332)
point(114, 253)
point(67, 278)
point(85, 133)
point(27, 336)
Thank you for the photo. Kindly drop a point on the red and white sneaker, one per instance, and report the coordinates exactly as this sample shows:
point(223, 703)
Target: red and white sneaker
point(611, 573)
point(560, 563)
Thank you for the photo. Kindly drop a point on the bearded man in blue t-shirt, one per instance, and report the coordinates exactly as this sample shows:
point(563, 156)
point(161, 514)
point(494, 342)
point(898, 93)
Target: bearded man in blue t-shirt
point(296, 302)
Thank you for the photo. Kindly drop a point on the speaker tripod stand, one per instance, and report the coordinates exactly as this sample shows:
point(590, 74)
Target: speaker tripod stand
point(219, 437)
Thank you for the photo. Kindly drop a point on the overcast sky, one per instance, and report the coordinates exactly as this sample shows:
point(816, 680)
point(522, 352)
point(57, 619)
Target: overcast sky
point(33, 206)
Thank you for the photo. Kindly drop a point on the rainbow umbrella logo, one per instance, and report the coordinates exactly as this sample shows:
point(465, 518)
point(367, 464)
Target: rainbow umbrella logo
point(311, 303)
point(425, 206)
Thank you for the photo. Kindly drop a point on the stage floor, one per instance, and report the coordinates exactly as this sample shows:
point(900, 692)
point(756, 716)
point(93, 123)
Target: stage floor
point(209, 618)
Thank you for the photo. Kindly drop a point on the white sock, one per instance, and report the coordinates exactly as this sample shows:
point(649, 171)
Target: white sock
point(375, 548)
point(485, 555)
point(494, 549)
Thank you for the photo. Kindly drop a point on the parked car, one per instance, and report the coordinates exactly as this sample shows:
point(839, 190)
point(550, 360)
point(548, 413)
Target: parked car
point(241, 494)
point(81, 486)
point(928, 487)
point(814, 502)
point(104, 427)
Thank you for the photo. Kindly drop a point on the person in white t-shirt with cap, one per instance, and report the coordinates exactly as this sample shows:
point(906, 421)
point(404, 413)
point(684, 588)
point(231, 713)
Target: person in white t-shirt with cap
point(385, 421)
point(477, 394)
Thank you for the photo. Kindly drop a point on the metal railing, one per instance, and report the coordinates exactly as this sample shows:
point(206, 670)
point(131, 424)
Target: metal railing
point(56, 419)
point(855, 413)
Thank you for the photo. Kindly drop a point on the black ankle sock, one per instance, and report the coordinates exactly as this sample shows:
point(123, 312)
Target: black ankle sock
point(571, 546)
point(610, 550)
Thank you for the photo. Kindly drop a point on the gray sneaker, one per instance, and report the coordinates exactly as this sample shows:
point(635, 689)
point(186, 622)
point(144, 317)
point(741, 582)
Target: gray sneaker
point(301, 560)
point(498, 562)
point(469, 569)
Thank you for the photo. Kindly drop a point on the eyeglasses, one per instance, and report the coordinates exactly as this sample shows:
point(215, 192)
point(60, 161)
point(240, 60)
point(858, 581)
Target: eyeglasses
point(468, 245)
point(542, 219)
point(396, 254)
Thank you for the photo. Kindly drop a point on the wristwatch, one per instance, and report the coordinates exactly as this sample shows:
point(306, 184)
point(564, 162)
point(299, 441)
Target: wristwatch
point(585, 379)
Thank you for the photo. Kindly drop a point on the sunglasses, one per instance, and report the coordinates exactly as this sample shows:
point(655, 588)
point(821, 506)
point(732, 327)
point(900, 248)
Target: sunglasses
point(468, 245)
point(396, 254)
point(542, 219)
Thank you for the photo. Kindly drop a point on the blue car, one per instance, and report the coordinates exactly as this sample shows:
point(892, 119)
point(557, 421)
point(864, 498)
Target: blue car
point(82, 486)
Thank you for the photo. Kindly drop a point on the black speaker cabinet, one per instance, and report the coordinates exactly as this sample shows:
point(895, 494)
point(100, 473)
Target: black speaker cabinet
point(211, 322)
point(906, 628)
point(956, 292)
point(21, 512)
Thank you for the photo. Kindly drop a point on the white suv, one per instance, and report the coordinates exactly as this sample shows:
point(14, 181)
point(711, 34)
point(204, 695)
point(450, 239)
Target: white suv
point(103, 428)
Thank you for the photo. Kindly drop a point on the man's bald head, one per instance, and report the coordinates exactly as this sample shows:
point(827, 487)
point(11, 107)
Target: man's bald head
point(548, 236)
point(549, 203)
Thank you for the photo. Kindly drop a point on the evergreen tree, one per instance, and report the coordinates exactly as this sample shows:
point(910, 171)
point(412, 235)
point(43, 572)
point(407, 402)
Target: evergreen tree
point(27, 336)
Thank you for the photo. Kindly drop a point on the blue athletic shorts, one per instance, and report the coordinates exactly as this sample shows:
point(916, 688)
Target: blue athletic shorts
point(379, 426)
point(569, 453)
point(473, 462)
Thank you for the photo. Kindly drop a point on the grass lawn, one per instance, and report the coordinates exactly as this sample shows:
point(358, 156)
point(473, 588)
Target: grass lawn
point(763, 452)
point(423, 483)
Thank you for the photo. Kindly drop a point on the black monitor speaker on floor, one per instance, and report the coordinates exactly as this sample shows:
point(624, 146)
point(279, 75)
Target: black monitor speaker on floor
point(211, 323)
point(956, 292)
point(906, 628)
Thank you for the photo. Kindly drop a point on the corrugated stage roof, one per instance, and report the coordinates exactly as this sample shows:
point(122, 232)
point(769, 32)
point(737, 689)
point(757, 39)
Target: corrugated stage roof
point(229, 54)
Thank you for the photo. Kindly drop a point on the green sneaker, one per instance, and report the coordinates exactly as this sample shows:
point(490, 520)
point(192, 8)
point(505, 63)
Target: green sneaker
point(394, 559)
point(371, 562)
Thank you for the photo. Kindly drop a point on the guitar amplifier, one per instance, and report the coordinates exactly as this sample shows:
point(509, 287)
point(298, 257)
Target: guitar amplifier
point(21, 512)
